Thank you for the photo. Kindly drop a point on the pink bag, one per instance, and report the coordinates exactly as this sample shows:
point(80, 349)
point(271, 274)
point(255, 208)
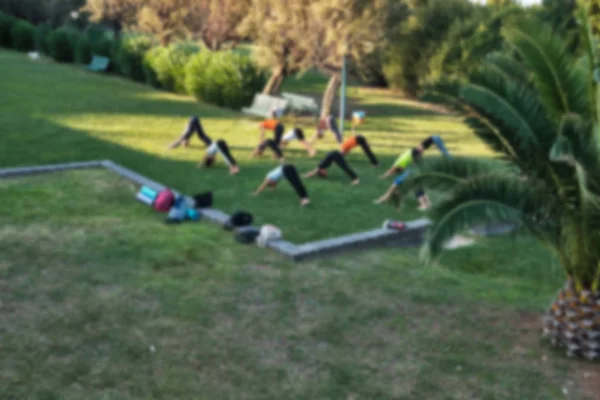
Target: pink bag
point(164, 201)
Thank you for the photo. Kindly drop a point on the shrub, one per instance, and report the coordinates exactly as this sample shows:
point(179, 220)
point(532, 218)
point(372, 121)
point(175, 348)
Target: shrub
point(21, 35)
point(129, 56)
point(6, 24)
point(40, 38)
point(150, 63)
point(83, 50)
point(223, 78)
point(102, 41)
point(165, 67)
point(61, 45)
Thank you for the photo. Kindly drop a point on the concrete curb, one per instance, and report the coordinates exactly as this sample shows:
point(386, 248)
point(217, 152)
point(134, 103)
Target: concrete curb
point(412, 235)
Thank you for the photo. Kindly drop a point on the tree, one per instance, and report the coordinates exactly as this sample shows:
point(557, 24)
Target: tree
point(41, 11)
point(419, 39)
point(164, 19)
point(215, 22)
point(353, 29)
point(499, 4)
point(117, 13)
point(538, 107)
point(593, 10)
point(276, 28)
point(212, 21)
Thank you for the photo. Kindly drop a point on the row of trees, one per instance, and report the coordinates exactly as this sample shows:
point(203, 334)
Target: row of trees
point(398, 43)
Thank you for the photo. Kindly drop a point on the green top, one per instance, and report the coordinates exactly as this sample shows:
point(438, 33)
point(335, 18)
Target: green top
point(404, 160)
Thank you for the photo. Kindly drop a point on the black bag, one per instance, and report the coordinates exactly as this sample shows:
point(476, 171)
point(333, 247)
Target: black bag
point(247, 235)
point(238, 219)
point(203, 200)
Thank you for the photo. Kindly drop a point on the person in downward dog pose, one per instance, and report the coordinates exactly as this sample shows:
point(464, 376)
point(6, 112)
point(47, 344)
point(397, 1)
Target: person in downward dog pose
point(408, 156)
point(297, 134)
point(333, 157)
point(359, 140)
point(327, 124)
point(290, 173)
point(193, 126)
point(271, 124)
point(401, 166)
point(220, 146)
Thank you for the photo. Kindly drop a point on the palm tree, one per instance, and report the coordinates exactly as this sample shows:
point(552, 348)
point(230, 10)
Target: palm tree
point(538, 107)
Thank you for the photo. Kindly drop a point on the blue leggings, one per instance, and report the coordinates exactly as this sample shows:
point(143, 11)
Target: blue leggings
point(402, 177)
point(439, 143)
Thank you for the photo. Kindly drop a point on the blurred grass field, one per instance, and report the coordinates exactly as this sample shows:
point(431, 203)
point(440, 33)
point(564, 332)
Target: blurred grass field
point(100, 300)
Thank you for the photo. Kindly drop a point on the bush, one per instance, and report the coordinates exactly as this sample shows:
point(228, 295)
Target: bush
point(83, 50)
point(6, 25)
point(102, 41)
point(61, 45)
point(165, 67)
point(40, 38)
point(223, 78)
point(129, 56)
point(22, 36)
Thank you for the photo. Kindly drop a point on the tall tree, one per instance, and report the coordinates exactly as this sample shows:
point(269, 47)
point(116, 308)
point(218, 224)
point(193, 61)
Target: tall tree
point(338, 29)
point(117, 13)
point(538, 107)
point(215, 22)
point(164, 19)
point(276, 28)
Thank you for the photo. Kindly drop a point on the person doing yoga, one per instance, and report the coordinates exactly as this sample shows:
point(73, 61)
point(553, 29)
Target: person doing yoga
point(402, 165)
point(327, 123)
point(407, 157)
point(193, 126)
point(220, 146)
point(277, 127)
point(290, 173)
point(333, 157)
point(297, 134)
point(359, 140)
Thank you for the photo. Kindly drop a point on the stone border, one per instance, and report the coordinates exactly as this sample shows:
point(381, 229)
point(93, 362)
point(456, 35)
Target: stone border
point(412, 235)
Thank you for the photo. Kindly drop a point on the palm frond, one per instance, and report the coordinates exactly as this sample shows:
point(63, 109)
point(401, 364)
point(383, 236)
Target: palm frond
point(443, 173)
point(576, 147)
point(445, 92)
point(509, 67)
point(589, 45)
point(516, 106)
point(492, 199)
point(562, 86)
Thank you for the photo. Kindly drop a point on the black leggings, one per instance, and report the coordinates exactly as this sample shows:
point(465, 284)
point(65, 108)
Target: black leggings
point(194, 125)
point(224, 148)
point(272, 145)
point(362, 142)
point(291, 174)
point(427, 143)
point(337, 157)
point(278, 133)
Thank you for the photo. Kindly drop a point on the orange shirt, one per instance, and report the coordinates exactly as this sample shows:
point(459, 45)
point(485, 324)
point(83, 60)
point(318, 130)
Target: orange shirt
point(349, 144)
point(269, 124)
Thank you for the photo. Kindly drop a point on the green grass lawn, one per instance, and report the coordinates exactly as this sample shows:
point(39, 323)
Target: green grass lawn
point(56, 113)
point(100, 300)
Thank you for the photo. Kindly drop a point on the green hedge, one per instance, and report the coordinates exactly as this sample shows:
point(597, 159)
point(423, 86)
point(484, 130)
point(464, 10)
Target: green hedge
point(129, 56)
point(21, 35)
point(40, 38)
point(61, 45)
point(83, 50)
point(165, 67)
point(223, 78)
point(6, 25)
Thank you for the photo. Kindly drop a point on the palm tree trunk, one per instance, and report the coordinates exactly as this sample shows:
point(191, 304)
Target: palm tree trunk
point(274, 82)
point(329, 95)
point(573, 322)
